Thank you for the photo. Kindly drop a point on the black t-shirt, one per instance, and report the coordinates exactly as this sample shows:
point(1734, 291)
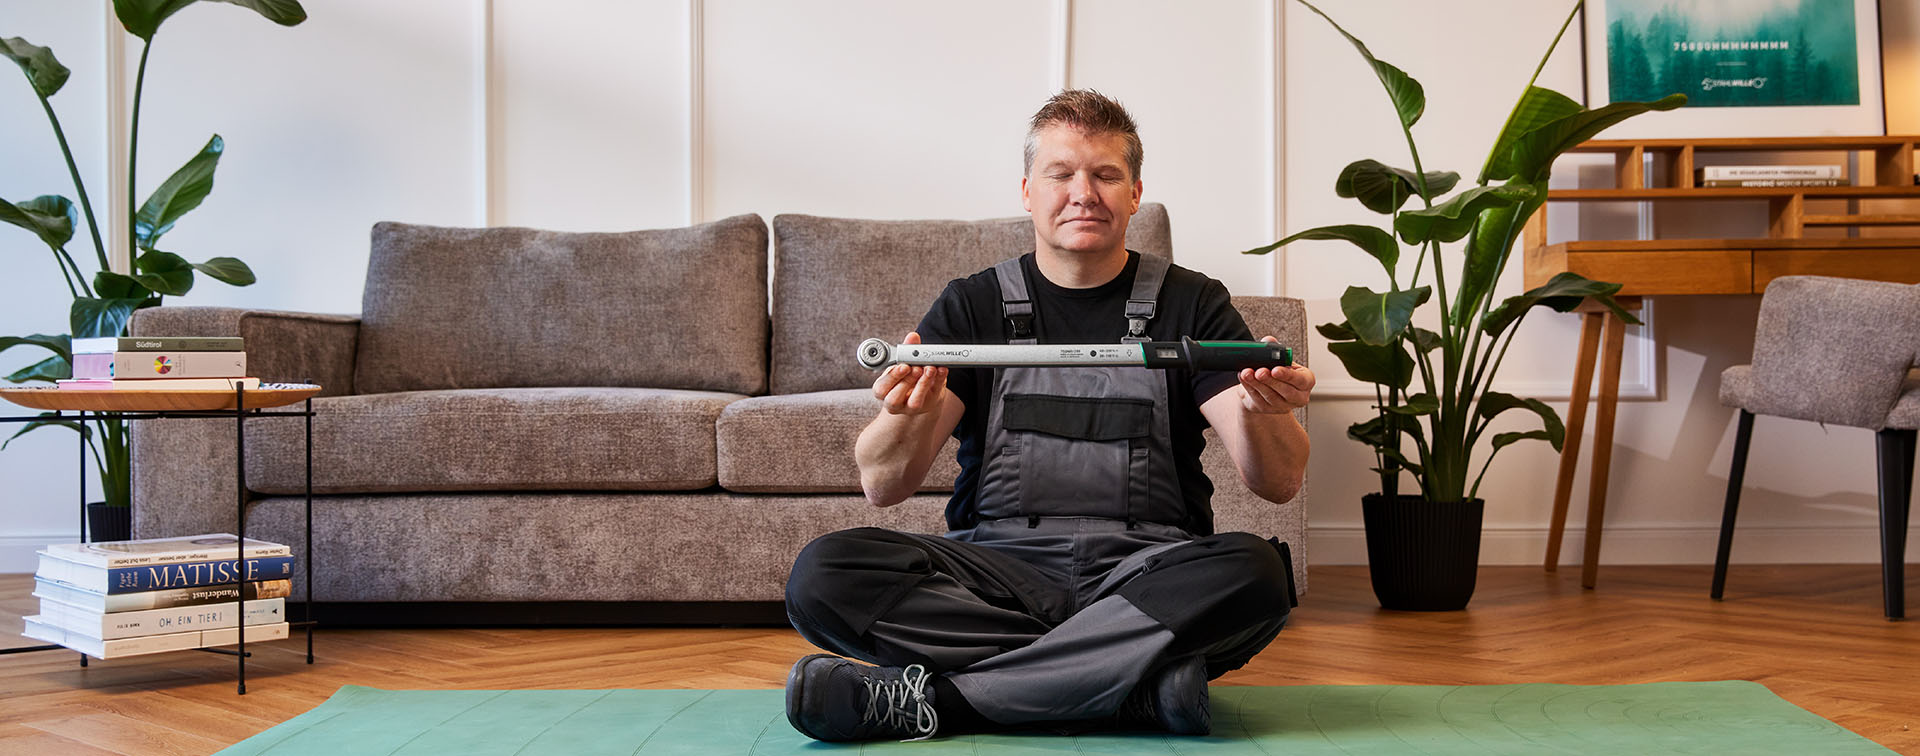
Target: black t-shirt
point(1190, 304)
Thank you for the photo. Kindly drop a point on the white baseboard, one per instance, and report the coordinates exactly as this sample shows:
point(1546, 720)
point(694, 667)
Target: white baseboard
point(1641, 545)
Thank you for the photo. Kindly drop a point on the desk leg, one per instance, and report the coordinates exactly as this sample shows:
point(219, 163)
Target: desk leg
point(1576, 423)
point(1616, 338)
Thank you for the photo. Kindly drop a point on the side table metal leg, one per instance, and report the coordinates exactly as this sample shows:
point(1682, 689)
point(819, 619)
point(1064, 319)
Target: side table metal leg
point(240, 486)
point(307, 612)
point(83, 493)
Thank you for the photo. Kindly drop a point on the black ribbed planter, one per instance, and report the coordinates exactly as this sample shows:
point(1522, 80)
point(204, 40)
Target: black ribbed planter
point(1423, 556)
point(108, 523)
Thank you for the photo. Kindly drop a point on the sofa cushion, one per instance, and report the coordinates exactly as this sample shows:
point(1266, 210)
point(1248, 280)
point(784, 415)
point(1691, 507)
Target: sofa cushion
point(841, 281)
point(609, 439)
point(803, 443)
point(449, 308)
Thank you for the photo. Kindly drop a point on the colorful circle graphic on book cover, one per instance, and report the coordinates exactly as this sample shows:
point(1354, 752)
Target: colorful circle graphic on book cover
point(162, 365)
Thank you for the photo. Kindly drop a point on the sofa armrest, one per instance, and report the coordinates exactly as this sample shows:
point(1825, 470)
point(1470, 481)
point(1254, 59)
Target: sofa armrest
point(1234, 507)
point(183, 469)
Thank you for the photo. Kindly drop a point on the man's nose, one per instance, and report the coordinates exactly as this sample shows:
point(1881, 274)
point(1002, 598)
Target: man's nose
point(1080, 190)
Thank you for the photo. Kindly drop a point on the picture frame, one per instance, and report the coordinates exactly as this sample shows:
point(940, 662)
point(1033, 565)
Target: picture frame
point(1750, 68)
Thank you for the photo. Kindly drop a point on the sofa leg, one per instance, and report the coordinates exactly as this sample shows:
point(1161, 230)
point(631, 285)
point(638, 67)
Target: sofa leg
point(1736, 476)
point(1896, 452)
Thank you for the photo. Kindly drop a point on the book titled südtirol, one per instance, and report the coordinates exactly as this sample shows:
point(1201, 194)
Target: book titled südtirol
point(108, 344)
point(164, 563)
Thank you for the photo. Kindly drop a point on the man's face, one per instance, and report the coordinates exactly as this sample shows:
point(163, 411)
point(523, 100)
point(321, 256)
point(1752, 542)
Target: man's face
point(1079, 191)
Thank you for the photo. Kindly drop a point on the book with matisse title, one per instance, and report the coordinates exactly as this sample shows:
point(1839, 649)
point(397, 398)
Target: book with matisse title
point(131, 566)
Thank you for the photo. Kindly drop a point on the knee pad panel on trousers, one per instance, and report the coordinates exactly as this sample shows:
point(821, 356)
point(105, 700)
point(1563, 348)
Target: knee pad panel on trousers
point(1222, 583)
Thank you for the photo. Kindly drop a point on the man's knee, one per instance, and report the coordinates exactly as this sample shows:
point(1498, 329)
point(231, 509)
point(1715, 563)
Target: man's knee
point(1256, 573)
point(837, 578)
point(1220, 583)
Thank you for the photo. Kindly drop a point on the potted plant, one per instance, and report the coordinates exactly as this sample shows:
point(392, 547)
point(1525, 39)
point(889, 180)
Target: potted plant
point(103, 304)
point(1423, 548)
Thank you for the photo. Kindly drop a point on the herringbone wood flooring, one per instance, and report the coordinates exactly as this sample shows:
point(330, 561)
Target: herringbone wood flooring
point(1814, 635)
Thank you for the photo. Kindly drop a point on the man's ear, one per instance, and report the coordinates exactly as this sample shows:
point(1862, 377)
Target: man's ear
point(1026, 200)
point(1137, 190)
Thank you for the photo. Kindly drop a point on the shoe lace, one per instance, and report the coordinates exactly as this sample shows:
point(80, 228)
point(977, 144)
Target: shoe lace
point(902, 704)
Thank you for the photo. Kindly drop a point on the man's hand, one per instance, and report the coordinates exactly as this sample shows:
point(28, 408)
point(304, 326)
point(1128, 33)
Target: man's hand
point(910, 389)
point(1276, 390)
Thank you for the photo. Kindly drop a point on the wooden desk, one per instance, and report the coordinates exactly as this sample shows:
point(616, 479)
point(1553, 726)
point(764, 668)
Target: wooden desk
point(1668, 267)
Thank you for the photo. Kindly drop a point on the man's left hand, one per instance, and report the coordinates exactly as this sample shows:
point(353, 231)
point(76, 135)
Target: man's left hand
point(1276, 390)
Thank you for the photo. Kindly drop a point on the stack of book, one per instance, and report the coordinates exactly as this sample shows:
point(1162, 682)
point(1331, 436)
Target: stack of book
point(159, 363)
point(125, 598)
point(1770, 175)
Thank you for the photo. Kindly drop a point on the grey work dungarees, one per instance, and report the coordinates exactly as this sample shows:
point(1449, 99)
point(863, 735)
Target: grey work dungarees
point(1079, 578)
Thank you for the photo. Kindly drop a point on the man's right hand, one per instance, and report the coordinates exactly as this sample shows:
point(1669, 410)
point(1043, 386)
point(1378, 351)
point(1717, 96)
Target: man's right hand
point(911, 389)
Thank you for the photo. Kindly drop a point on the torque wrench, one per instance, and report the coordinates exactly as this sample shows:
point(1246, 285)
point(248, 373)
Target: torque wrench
point(875, 354)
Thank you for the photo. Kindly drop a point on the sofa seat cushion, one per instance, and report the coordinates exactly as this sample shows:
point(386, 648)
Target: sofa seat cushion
point(607, 439)
point(803, 443)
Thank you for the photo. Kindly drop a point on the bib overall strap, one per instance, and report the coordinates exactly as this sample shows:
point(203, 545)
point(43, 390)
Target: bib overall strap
point(1146, 291)
point(1014, 300)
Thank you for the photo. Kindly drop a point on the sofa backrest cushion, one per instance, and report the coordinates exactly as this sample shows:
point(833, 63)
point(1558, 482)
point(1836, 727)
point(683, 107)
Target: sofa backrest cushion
point(682, 308)
point(838, 281)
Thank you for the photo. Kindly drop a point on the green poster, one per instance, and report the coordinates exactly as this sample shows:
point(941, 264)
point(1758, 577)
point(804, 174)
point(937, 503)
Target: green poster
point(1719, 53)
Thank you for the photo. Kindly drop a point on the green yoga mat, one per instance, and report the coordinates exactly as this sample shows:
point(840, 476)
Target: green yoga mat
point(1656, 718)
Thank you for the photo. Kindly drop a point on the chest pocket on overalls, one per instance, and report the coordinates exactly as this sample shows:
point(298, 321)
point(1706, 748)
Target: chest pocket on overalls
point(1079, 456)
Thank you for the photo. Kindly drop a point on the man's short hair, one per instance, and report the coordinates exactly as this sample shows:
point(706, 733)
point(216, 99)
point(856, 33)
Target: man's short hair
point(1090, 112)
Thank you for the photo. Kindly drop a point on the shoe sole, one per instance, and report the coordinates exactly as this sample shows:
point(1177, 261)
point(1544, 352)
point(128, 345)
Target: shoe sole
point(796, 679)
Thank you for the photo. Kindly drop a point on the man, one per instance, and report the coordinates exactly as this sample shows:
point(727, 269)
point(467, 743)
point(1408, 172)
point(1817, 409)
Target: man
point(1081, 583)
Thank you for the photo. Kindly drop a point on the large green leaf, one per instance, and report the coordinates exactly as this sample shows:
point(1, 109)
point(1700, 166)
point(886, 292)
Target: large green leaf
point(1337, 331)
point(43, 70)
point(49, 370)
point(1383, 188)
point(93, 318)
point(59, 344)
point(49, 216)
point(164, 273)
point(1388, 365)
point(1379, 318)
point(1563, 292)
point(143, 17)
point(1424, 340)
point(51, 420)
point(1452, 219)
point(1537, 107)
point(1534, 152)
point(1369, 239)
point(110, 285)
point(181, 192)
point(227, 270)
point(1409, 99)
point(1506, 439)
point(1418, 404)
point(1488, 246)
point(1493, 403)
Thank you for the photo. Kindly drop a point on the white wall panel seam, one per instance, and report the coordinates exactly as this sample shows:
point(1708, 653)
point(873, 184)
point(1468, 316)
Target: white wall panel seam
point(115, 131)
point(1276, 143)
point(1061, 68)
point(486, 120)
point(696, 107)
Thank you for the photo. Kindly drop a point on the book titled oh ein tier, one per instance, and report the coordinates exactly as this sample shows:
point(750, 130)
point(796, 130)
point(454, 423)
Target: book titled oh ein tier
point(164, 563)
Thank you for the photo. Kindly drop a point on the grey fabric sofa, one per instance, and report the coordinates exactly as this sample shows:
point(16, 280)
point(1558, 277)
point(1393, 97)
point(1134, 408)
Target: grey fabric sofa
point(525, 426)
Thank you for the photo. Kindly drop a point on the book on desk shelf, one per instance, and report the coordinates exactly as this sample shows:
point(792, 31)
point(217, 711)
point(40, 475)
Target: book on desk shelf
point(109, 344)
point(1737, 172)
point(116, 567)
point(157, 384)
point(100, 601)
point(1719, 183)
point(167, 365)
point(101, 648)
point(180, 619)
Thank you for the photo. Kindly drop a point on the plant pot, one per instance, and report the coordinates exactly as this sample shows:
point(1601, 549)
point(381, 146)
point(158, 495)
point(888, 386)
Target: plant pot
point(1423, 556)
point(109, 523)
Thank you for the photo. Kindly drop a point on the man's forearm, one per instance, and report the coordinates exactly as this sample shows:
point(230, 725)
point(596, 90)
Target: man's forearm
point(1273, 458)
point(894, 453)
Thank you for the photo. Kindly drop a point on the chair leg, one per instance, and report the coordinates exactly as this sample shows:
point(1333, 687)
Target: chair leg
point(1896, 452)
point(1735, 476)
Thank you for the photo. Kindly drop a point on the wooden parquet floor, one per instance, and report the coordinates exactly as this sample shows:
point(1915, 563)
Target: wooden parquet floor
point(1813, 634)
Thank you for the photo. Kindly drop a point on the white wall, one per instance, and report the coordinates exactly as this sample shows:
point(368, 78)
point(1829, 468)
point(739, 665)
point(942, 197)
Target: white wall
point(609, 114)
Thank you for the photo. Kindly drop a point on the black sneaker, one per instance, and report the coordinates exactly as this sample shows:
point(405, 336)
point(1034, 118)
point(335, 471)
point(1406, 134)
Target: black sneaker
point(835, 699)
point(1174, 699)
